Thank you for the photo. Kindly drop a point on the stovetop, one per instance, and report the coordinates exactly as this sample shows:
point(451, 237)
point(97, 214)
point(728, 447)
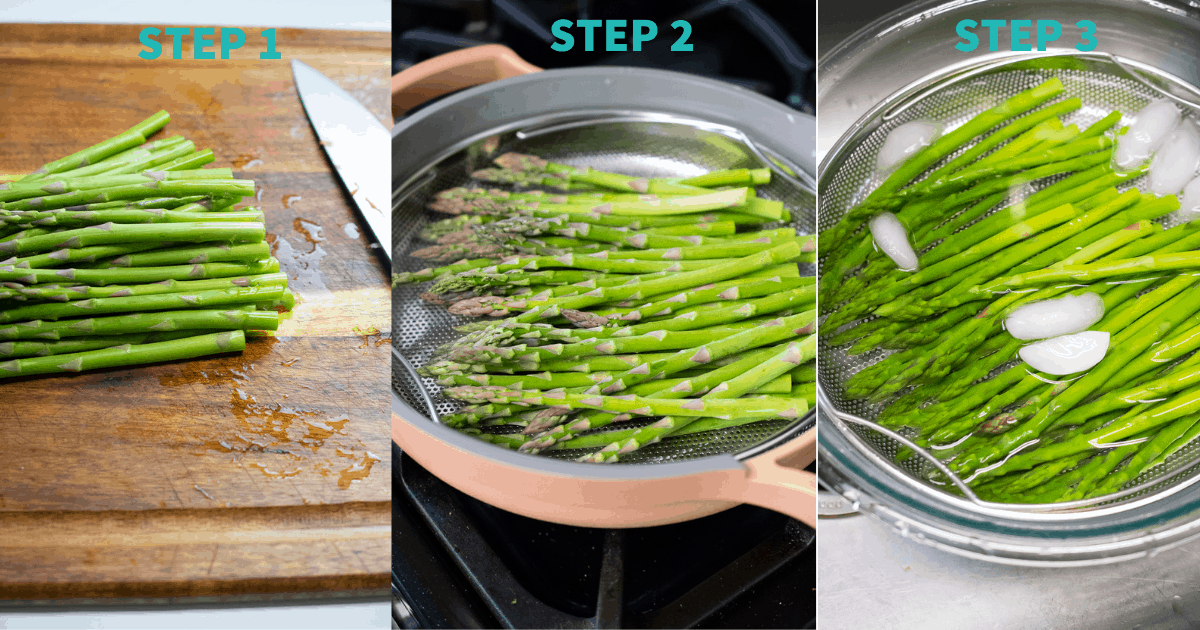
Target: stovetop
point(460, 563)
point(763, 45)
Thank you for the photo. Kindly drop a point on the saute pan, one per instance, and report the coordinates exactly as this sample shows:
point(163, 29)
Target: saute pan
point(646, 122)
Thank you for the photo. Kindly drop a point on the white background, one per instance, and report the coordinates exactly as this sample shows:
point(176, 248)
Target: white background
point(359, 15)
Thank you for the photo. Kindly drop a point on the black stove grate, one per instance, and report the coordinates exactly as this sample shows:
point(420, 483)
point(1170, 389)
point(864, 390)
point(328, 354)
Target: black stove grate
point(458, 562)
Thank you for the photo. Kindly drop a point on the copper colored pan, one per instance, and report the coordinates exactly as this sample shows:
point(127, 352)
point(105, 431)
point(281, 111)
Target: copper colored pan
point(514, 102)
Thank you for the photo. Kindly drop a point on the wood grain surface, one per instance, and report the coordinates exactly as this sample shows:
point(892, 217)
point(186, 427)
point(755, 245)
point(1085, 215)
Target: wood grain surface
point(260, 472)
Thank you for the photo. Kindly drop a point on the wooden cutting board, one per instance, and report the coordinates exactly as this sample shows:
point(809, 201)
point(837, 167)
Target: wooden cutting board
point(260, 472)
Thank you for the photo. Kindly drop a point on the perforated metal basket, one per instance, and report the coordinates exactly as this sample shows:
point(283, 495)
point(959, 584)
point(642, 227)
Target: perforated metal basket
point(643, 144)
point(1104, 83)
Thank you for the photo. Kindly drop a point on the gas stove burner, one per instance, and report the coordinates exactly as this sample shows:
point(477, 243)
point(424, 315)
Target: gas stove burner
point(763, 45)
point(458, 562)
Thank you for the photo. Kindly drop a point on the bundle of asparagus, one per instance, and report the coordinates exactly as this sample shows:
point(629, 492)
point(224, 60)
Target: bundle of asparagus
point(128, 252)
point(636, 311)
point(951, 381)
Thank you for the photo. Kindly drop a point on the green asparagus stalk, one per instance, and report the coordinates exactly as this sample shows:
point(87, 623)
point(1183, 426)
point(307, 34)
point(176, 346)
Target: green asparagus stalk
point(243, 318)
point(165, 203)
point(714, 273)
point(791, 299)
point(793, 355)
point(21, 349)
point(112, 233)
point(1096, 271)
point(59, 185)
point(185, 187)
point(728, 290)
point(518, 167)
point(84, 219)
point(783, 329)
point(141, 303)
point(188, 162)
point(52, 293)
point(205, 253)
point(130, 156)
point(132, 137)
point(85, 255)
point(767, 407)
point(127, 355)
point(549, 380)
point(138, 275)
point(1133, 341)
point(939, 149)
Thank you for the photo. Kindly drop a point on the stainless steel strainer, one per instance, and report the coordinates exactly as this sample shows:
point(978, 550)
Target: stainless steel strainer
point(1104, 83)
point(645, 145)
point(630, 120)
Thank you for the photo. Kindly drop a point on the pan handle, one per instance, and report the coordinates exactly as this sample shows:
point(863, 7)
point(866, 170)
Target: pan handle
point(454, 71)
point(777, 480)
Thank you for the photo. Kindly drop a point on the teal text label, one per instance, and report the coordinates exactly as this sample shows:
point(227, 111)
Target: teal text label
point(1023, 35)
point(617, 35)
point(207, 43)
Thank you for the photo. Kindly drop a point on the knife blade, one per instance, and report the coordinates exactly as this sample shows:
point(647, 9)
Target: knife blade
point(357, 144)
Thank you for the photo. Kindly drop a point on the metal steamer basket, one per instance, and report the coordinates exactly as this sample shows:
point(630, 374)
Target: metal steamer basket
point(641, 122)
point(1155, 511)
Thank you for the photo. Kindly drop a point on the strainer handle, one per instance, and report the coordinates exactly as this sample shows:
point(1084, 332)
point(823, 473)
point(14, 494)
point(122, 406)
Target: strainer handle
point(842, 416)
point(454, 71)
point(1137, 76)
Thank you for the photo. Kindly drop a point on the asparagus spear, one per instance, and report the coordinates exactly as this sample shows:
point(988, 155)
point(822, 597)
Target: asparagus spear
point(126, 355)
point(190, 161)
point(82, 219)
point(793, 355)
point(129, 156)
point(1096, 271)
point(728, 290)
point(110, 233)
point(204, 253)
point(20, 349)
point(137, 275)
point(867, 300)
point(1007, 132)
point(141, 303)
point(146, 206)
point(596, 440)
point(166, 203)
point(714, 273)
point(516, 167)
point(790, 299)
point(774, 331)
point(243, 318)
point(132, 137)
point(85, 255)
point(767, 407)
point(549, 380)
point(939, 149)
point(1133, 341)
point(55, 293)
point(186, 187)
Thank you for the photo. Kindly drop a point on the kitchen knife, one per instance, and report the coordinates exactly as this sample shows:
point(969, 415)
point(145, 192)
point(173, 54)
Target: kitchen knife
point(357, 144)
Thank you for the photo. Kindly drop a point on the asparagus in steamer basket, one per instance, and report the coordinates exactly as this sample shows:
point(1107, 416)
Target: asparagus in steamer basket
point(128, 252)
point(614, 299)
point(1044, 351)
